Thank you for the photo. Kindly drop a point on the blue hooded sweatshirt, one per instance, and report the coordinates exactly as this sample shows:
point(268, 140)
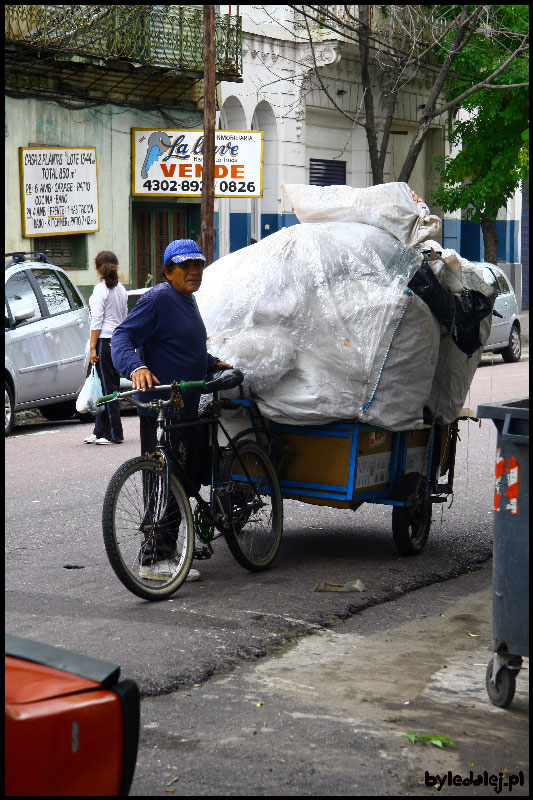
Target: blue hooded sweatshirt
point(165, 333)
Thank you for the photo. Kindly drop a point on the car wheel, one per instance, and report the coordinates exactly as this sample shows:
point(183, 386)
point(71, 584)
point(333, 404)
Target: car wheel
point(514, 349)
point(10, 409)
point(58, 411)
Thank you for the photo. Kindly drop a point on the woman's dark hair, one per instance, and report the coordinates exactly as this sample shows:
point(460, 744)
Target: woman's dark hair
point(107, 266)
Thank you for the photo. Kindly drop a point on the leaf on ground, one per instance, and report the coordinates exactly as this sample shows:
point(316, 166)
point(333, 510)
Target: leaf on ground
point(436, 741)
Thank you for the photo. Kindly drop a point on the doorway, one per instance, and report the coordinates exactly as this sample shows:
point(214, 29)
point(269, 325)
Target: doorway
point(153, 228)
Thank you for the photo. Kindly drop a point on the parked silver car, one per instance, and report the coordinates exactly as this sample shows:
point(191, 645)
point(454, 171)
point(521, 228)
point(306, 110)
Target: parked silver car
point(133, 297)
point(47, 338)
point(505, 332)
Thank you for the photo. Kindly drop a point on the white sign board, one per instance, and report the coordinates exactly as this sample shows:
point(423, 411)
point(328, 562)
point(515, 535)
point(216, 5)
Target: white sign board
point(168, 163)
point(58, 190)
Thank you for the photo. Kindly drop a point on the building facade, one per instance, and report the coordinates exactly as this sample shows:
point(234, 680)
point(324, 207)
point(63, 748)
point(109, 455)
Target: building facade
point(77, 78)
point(87, 79)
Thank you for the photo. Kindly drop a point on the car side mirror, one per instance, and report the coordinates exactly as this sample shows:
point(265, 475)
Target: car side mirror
point(25, 314)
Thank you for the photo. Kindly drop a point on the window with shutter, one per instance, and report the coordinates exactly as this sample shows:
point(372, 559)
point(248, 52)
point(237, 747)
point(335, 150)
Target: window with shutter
point(59, 249)
point(324, 172)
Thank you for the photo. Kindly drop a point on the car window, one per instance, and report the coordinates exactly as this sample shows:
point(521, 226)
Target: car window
point(54, 293)
point(20, 295)
point(504, 286)
point(490, 278)
point(78, 302)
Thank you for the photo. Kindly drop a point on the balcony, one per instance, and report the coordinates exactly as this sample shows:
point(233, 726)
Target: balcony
point(132, 54)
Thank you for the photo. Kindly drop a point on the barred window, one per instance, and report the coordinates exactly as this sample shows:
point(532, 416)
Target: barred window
point(69, 252)
point(59, 247)
point(323, 172)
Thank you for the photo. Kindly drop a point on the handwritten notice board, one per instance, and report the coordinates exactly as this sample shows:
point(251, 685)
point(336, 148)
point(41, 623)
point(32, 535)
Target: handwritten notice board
point(58, 190)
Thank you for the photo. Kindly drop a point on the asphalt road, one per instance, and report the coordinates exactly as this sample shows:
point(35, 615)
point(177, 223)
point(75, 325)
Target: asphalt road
point(61, 590)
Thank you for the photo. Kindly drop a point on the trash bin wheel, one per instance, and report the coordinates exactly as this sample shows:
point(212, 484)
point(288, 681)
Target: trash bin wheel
point(410, 525)
point(501, 692)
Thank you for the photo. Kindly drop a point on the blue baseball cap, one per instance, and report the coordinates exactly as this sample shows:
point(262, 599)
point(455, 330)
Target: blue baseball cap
point(183, 250)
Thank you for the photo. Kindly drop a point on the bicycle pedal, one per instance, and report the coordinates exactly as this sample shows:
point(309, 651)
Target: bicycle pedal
point(223, 489)
point(201, 554)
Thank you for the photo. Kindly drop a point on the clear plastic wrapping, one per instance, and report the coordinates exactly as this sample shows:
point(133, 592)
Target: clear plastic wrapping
point(312, 316)
point(320, 318)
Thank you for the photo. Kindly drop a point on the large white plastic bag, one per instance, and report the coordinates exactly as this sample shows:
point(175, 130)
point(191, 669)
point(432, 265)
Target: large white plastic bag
point(406, 374)
point(393, 207)
point(91, 390)
point(385, 387)
point(308, 314)
point(290, 289)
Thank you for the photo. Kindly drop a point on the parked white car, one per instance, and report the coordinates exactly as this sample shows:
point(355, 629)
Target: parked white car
point(133, 297)
point(505, 332)
point(47, 337)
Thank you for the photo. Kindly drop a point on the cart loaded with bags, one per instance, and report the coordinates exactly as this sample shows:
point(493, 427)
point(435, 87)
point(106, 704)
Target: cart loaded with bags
point(359, 336)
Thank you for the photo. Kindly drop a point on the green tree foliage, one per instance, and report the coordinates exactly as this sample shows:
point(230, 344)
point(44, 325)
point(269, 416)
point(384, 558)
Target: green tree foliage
point(492, 159)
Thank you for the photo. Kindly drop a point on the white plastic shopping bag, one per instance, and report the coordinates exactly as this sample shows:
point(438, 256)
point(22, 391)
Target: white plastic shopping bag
point(91, 390)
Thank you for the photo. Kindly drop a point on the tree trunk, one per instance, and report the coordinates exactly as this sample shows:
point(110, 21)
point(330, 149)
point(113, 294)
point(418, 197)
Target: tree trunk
point(490, 239)
point(414, 149)
point(370, 123)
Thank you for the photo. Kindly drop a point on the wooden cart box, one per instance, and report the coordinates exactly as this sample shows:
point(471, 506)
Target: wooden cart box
point(345, 463)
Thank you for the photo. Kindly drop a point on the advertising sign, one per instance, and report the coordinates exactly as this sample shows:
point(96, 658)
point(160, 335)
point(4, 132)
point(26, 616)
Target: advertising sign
point(58, 190)
point(168, 163)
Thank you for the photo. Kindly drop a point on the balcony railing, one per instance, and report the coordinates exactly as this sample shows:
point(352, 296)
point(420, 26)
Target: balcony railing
point(154, 36)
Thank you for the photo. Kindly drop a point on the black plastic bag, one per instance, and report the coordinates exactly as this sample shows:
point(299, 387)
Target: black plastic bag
point(470, 309)
point(461, 316)
point(434, 294)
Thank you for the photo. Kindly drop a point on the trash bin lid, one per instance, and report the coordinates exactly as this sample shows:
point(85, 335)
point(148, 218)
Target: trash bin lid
point(519, 409)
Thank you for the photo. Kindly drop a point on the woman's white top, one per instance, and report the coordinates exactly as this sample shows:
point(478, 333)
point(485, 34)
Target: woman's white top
point(109, 307)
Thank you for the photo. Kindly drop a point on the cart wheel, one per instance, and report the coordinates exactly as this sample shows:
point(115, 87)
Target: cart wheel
point(501, 692)
point(410, 526)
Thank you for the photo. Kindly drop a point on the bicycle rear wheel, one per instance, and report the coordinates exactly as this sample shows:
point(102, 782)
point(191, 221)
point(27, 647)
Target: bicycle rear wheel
point(254, 509)
point(140, 509)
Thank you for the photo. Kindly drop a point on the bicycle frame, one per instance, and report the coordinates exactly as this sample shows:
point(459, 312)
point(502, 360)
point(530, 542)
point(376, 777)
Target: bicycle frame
point(213, 510)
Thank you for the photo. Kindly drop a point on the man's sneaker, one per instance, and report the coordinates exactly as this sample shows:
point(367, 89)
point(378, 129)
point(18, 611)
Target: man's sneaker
point(161, 571)
point(91, 439)
point(103, 441)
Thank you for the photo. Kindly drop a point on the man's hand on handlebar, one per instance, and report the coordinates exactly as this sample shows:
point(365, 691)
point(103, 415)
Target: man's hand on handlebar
point(142, 379)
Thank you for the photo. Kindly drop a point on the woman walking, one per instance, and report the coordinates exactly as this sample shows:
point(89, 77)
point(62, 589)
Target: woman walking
point(109, 307)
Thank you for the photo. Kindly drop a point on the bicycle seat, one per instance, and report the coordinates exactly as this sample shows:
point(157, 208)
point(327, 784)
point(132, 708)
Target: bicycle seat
point(225, 379)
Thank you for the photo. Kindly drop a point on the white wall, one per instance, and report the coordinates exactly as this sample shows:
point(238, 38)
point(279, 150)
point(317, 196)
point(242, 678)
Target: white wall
point(108, 128)
point(278, 72)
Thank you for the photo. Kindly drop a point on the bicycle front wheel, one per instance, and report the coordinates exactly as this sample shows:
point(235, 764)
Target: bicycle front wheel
point(148, 529)
point(253, 506)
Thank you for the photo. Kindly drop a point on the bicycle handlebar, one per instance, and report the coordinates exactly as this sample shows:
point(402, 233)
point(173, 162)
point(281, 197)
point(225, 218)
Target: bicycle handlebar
point(226, 379)
point(183, 386)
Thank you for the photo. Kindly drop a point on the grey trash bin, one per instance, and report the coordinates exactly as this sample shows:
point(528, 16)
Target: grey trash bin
point(510, 608)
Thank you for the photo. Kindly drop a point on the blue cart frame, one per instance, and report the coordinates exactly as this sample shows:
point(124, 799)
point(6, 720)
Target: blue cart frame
point(410, 493)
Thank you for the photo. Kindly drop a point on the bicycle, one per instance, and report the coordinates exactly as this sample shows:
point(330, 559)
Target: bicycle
point(149, 495)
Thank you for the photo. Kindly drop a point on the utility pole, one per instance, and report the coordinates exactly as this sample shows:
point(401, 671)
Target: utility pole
point(208, 171)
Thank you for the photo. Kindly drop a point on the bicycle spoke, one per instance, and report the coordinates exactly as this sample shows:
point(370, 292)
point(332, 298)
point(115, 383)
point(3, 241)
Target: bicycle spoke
point(254, 507)
point(148, 529)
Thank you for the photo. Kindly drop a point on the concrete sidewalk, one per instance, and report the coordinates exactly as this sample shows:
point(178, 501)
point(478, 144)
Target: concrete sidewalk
point(330, 716)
